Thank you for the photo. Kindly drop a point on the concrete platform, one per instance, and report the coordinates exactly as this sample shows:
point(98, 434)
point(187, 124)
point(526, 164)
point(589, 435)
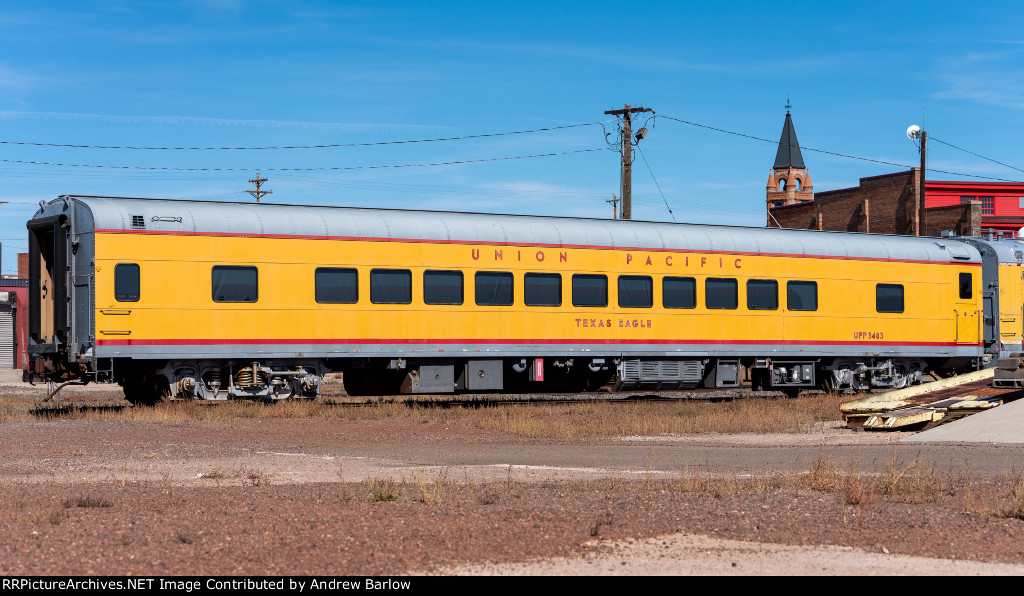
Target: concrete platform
point(1004, 424)
point(10, 376)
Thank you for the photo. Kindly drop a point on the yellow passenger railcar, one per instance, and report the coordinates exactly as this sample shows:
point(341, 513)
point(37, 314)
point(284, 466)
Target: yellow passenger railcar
point(221, 300)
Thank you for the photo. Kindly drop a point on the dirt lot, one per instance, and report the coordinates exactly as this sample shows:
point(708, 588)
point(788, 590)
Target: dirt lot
point(393, 490)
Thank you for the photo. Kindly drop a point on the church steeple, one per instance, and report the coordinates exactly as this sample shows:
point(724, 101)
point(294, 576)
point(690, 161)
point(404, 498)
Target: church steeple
point(789, 181)
point(789, 155)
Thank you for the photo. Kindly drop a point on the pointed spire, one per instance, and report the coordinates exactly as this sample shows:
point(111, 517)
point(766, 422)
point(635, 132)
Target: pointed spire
point(789, 155)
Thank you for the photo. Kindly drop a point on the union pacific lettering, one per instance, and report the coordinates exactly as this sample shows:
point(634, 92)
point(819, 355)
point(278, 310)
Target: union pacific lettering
point(685, 261)
point(500, 254)
point(539, 256)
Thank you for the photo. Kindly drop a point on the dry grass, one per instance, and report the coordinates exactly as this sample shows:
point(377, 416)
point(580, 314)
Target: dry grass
point(436, 491)
point(382, 488)
point(86, 501)
point(911, 481)
point(824, 475)
point(755, 415)
point(692, 480)
point(561, 421)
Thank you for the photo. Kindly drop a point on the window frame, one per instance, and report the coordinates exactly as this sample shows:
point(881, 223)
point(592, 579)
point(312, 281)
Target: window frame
point(533, 275)
point(766, 282)
point(665, 293)
point(326, 270)
point(380, 270)
point(462, 287)
point(256, 283)
point(708, 294)
point(594, 276)
point(808, 283)
point(138, 283)
point(970, 285)
point(650, 281)
point(503, 274)
point(878, 297)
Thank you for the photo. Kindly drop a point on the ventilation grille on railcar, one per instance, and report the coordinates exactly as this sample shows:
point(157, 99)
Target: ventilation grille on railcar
point(663, 374)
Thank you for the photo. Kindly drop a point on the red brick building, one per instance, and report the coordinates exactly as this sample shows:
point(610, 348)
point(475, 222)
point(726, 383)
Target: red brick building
point(891, 203)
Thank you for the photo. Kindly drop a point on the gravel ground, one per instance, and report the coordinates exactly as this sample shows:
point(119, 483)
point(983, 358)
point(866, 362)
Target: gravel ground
point(344, 497)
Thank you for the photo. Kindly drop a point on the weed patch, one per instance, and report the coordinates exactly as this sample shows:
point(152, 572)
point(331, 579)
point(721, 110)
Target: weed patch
point(382, 489)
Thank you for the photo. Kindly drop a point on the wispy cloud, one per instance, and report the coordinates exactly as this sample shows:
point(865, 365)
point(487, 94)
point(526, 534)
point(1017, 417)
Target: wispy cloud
point(18, 80)
point(989, 78)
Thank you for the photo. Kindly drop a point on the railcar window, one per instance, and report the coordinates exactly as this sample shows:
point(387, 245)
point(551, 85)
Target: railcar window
point(802, 295)
point(494, 288)
point(235, 284)
point(336, 286)
point(390, 286)
point(721, 293)
point(679, 292)
point(889, 298)
point(636, 291)
point(762, 294)
point(442, 287)
point(966, 286)
point(126, 282)
point(542, 289)
point(589, 290)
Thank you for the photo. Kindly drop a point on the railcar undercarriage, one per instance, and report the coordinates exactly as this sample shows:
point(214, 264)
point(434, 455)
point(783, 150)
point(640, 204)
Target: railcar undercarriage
point(148, 382)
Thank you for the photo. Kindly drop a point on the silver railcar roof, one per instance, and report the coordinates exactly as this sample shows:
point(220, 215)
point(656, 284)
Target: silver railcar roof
point(213, 217)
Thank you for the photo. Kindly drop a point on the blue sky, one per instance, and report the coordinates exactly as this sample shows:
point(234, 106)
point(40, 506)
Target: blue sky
point(226, 73)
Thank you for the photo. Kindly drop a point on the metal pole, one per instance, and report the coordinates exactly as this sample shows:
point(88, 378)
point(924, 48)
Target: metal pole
point(921, 222)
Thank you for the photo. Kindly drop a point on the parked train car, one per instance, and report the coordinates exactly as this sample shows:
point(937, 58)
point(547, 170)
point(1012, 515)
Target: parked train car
point(213, 300)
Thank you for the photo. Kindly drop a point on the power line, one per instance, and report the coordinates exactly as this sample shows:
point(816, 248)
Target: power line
point(336, 145)
point(335, 168)
point(848, 156)
point(975, 154)
point(655, 181)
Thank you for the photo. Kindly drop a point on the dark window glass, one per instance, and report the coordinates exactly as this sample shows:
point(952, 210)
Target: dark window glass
point(889, 298)
point(390, 286)
point(442, 287)
point(679, 292)
point(493, 288)
point(542, 289)
point(966, 286)
point(126, 282)
point(762, 294)
point(802, 295)
point(721, 292)
point(589, 290)
point(988, 205)
point(636, 291)
point(235, 284)
point(336, 286)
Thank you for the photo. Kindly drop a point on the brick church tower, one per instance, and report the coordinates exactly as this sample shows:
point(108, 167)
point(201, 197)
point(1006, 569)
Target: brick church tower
point(789, 181)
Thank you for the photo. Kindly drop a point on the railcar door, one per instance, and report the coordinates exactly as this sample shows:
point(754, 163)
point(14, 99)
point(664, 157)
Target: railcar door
point(48, 272)
point(965, 307)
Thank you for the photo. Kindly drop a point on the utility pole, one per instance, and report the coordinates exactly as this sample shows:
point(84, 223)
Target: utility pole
point(259, 193)
point(615, 206)
point(921, 223)
point(627, 154)
point(915, 133)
